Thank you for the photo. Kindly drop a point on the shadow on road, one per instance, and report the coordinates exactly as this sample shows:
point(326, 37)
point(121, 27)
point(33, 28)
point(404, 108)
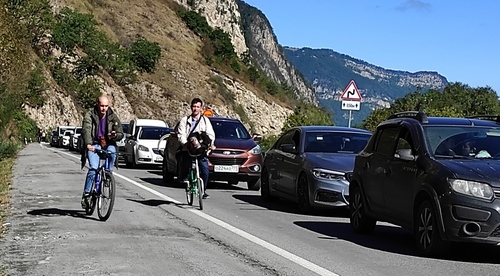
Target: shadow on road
point(52, 212)
point(154, 202)
point(397, 240)
point(288, 206)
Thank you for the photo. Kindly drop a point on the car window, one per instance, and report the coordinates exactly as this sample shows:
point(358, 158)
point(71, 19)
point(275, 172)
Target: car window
point(285, 139)
point(386, 140)
point(230, 130)
point(79, 131)
point(152, 133)
point(125, 128)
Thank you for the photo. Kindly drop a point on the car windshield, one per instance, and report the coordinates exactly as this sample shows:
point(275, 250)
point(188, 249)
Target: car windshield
point(463, 141)
point(79, 130)
point(153, 133)
point(335, 142)
point(230, 130)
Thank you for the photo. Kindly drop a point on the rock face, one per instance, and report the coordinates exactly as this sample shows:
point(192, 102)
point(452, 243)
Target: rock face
point(181, 73)
point(269, 55)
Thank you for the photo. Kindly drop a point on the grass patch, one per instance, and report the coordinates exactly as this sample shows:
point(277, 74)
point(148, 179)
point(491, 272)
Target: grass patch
point(6, 171)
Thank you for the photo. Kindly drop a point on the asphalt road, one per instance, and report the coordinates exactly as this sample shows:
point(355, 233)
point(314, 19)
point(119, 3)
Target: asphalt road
point(153, 232)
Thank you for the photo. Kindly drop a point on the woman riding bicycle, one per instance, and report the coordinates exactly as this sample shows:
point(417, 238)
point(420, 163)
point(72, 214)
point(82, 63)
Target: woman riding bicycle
point(195, 123)
point(101, 129)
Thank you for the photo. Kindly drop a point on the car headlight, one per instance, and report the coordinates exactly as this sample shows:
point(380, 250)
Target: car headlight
point(471, 188)
point(327, 174)
point(142, 148)
point(256, 150)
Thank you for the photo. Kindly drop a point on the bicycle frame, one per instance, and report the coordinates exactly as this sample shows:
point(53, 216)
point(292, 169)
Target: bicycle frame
point(195, 183)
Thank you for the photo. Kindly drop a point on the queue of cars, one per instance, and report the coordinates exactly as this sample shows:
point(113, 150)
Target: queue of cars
point(438, 177)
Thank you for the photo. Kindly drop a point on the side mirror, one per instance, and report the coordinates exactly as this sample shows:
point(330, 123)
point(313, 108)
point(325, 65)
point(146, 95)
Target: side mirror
point(405, 154)
point(256, 137)
point(288, 148)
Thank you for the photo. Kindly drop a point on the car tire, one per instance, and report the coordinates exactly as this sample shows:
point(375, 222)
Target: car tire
point(128, 163)
point(303, 195)
point(265, 188)
point(254, 184)
point(426, 230)
point(360, 222)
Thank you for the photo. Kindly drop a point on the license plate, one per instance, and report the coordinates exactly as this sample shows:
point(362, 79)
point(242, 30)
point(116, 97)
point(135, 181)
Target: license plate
point(228, 169)
point(159, 158)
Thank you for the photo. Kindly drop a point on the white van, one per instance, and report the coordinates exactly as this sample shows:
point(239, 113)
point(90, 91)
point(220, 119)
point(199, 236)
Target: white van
point(137, 151)
point(60, 133)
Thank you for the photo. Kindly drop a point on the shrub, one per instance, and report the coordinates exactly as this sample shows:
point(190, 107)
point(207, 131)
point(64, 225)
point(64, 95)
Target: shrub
point(145, 54)
point(36, 85)
point(7, 150)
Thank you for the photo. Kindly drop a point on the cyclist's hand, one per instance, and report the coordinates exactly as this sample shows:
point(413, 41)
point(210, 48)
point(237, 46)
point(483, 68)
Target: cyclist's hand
point(90, 148)
point(112, 135)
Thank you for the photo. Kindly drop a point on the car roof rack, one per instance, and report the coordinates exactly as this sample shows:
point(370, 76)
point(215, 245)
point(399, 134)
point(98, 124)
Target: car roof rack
point(417, 115)
point(494, 118)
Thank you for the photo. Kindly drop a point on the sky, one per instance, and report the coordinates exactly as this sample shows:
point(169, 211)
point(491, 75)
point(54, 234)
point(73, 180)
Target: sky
point(459, 39)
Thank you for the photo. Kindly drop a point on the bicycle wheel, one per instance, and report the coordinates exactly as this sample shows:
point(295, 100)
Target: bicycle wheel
point(200, 192)
point(106, 199)
point(190, 190)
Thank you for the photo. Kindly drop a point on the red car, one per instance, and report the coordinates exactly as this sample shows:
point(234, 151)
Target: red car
point(237, 156)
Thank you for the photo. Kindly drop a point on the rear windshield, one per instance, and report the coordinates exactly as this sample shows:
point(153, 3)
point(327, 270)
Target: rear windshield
point(230, 130)
point(153, 133)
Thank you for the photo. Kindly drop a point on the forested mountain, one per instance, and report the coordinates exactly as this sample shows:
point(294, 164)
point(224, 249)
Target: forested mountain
point(330, 72)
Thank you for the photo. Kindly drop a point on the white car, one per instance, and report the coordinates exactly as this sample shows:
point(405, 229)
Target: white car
point(144, 146)
point(65, 138)
point(73, 139)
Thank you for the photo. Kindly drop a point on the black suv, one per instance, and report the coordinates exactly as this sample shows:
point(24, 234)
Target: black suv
point(439, 177)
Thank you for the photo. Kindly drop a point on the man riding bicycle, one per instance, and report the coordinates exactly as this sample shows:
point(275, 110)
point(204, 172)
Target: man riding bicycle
point(100, 130)
point(189, 125)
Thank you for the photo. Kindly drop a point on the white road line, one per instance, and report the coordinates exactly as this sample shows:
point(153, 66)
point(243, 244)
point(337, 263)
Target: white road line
point(281, 252)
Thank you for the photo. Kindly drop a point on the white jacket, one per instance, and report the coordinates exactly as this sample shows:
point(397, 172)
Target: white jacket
point(184, 128)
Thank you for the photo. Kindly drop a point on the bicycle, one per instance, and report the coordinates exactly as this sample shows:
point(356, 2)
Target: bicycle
point(102, 193)
point(195, 183)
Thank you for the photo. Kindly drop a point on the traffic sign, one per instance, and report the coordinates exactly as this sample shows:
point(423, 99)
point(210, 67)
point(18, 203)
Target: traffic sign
point(351, 92)
point(351, 105)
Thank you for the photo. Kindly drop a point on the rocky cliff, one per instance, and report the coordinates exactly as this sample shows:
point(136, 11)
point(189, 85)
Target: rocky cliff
point(181, 73)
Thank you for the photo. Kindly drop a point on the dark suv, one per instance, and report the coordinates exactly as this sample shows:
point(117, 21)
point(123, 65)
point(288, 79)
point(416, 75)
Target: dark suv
point(237, 156)
point(439, 177)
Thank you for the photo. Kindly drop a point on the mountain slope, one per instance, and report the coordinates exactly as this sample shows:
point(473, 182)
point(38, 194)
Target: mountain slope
point(329, 72)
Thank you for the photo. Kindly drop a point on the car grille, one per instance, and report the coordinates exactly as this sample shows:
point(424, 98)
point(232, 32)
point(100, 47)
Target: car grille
point(497, 193)
point(227, 161)
point(496, 232)
point(228, 152)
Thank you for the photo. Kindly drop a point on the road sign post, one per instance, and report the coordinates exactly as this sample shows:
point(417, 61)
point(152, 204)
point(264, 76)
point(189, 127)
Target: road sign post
point(351, 99)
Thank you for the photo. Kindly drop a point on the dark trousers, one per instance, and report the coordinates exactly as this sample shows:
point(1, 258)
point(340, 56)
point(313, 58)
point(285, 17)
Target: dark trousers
point(202, 165)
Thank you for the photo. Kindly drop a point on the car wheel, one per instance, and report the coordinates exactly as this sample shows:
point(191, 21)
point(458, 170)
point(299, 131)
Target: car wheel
point(427, 236)
point(254, 184)
point(303, 195)
point(128, 163)
point(265, 189)
point(360, 222)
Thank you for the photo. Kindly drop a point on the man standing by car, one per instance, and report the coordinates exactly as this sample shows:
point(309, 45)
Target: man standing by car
point(101, 129)
point(195, 123)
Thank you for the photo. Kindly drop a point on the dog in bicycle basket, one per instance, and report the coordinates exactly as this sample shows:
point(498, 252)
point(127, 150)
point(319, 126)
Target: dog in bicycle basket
point(198, 143)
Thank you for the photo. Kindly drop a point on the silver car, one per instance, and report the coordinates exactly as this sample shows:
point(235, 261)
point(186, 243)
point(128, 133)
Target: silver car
point(308, 165)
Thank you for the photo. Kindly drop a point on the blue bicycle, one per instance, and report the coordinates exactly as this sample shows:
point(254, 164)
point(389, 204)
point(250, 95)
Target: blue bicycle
point(102, 193)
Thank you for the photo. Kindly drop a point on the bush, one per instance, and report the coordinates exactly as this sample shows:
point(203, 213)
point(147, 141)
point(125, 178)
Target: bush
point(36, 85)
point(145, 54)
point(195, 22)
point(7, 149)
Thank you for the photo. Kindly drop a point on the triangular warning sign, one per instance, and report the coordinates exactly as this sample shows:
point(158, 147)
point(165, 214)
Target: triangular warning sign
point(351, 92)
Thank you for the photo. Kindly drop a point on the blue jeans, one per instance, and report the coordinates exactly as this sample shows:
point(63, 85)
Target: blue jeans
point(93, 159)
point(202, 165)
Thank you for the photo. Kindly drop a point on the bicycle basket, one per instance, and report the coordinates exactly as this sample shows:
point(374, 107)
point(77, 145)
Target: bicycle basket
point(102, 154)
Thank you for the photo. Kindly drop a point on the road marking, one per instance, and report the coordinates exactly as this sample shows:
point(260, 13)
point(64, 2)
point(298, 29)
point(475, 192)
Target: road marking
point(273, 248)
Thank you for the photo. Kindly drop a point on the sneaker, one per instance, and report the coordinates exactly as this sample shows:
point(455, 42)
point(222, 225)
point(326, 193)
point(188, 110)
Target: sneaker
point(85, 201)
point(205, 196)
